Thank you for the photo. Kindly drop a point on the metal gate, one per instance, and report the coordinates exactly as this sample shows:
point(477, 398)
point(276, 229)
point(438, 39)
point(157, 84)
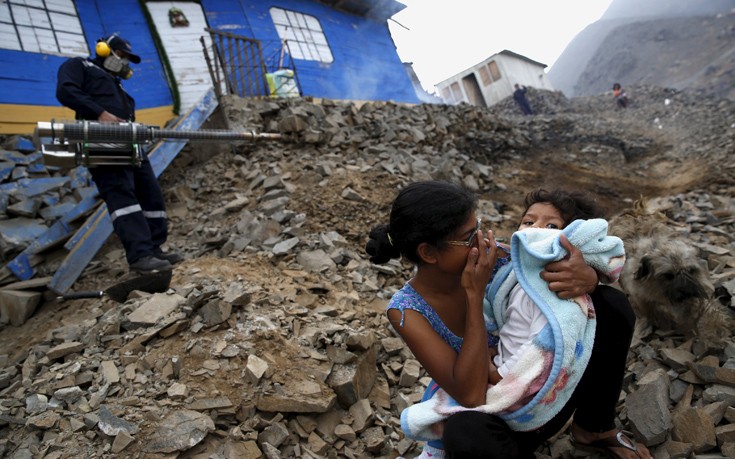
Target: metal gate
point(237, 66)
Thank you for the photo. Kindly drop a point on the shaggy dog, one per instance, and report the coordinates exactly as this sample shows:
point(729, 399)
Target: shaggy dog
point(665, 278)
point(666, 281)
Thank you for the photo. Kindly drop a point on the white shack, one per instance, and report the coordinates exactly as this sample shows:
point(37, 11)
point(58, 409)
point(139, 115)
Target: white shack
point(493, 79)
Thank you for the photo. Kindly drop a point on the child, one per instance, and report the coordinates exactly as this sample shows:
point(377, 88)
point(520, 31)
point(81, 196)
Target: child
point(621, 98)
point(439, 314)
point(523, 319)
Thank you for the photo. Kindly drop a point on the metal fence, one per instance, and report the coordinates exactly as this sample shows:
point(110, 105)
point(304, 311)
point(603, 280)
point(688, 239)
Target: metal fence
point(237, 64)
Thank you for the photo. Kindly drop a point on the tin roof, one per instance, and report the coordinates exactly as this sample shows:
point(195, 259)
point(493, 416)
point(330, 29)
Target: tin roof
point(380, 10)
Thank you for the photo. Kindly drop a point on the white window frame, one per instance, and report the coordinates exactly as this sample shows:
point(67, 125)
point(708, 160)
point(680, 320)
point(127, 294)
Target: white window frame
point(303, 34)
point(42, 26)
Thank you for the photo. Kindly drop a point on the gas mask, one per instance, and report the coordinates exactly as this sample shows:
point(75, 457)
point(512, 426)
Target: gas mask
point(118, 66)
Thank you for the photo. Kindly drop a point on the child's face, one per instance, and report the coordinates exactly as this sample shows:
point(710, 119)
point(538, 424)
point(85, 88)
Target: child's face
point(541, 215)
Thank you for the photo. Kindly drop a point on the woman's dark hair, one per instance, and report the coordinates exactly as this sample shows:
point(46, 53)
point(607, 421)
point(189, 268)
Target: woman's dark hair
point(572, 205)
point(616, 86)
point(422, 212)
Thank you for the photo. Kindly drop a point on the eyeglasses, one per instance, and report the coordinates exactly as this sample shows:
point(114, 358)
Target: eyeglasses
point(471, 240)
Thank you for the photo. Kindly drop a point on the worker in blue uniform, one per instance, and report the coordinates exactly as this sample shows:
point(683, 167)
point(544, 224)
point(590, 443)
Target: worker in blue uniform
point(92, 87)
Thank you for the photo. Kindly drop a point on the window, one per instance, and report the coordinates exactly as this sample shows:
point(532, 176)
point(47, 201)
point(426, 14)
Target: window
point(304, 35)
point(42, 26)
point(494, 71)
point(456, 92)
point(447, 95)
point(485, 76)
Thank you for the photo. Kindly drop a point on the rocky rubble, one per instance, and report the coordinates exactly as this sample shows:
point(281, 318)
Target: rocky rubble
point(272, 341)
point(36, 200)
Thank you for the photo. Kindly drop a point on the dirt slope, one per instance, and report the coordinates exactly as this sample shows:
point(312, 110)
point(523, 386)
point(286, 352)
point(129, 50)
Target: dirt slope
point(668, 143)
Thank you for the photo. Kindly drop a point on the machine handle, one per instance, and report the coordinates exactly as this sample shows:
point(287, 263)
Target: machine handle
point(81, 295)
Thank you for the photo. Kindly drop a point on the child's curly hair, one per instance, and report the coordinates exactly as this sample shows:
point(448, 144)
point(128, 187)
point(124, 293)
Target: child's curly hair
point(572, 205)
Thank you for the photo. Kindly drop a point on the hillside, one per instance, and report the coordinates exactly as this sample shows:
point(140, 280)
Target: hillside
point(696, 53)
point(669, 44)
point(272, 341)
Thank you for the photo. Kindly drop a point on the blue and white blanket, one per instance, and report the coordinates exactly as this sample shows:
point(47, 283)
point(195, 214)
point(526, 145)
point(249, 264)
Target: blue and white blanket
point(549, 367)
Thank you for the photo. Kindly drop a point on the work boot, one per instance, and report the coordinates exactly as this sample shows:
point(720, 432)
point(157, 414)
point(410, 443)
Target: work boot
point(150, 264)
point(171, 257)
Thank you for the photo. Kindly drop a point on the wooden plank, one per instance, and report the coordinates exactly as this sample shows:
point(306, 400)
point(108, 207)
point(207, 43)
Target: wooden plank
point(6, 168)
point(98, 227)
point(23, 119)
point(156, 116)
point(82, 253)
point(165, 152)
point(33, 113)
point(181, 45)
point(33, 187)
point(21, 267)
point(38, 282)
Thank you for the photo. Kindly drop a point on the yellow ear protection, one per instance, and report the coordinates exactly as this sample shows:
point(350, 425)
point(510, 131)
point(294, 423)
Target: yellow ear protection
point(102, 48)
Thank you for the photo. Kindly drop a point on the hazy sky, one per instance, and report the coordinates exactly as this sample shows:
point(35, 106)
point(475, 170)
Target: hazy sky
point(445, 37)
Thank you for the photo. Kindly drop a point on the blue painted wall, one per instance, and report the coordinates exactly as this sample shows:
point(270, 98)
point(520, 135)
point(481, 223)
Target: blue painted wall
point(30, 78)
point(365, 67)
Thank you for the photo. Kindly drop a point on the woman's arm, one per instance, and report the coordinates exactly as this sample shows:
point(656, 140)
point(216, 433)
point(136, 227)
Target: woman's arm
point(473, 360)
point(462, 375)
point(570, 277)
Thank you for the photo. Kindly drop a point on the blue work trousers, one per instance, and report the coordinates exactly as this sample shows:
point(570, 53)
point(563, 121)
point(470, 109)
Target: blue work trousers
point(135, 203)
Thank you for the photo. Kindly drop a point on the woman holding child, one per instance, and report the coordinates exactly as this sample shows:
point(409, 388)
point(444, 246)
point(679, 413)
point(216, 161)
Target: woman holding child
point(441, 313)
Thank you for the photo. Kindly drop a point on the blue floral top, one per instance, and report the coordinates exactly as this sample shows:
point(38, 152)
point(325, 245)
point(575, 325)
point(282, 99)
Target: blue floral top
point(408, 298)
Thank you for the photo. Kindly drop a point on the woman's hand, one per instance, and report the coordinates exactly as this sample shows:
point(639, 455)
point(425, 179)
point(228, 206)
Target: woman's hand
point(570, 277)
point(479, 266)
point(493, 375)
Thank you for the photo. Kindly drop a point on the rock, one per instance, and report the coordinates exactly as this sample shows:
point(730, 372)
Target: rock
point(234, 450)
point(694, 426)
point(648, 411)
point(256, 368)
point(298, 397)
point(316, 444)
point(410, 373)
point(215, 312)
point(112, 425)
point(374, 439)
point(352, 382)
point(714, 374)
point(64, 349)
point(274, 435)
point(345, 432)
point(315, 261)
point(156, 308)
point(122, 440)
point(207, 404)
point(304, 363)
point(180, 431)
point(110, 373)
point(177, 391)
point(17, 306)
point(37, 403)
point(362, 415)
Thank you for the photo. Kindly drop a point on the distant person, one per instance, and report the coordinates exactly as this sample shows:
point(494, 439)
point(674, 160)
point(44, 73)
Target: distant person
point(519, 95)
point(621, 98)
